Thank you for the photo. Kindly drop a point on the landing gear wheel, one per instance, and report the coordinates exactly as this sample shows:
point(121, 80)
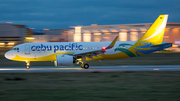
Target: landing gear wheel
point(27, 67)
point(86, 66)
point(27, 64)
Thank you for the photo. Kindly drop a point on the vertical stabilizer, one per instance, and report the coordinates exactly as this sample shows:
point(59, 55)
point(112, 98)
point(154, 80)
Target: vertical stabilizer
point(155, 33)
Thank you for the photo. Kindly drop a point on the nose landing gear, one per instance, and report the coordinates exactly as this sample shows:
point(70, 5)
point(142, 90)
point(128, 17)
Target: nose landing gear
point(27, 64)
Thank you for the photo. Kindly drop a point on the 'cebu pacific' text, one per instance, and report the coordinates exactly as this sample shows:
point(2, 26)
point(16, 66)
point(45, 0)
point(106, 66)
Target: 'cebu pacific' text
point(73, 46)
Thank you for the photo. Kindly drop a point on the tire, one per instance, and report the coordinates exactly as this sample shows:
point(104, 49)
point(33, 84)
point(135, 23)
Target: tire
point(86, 66)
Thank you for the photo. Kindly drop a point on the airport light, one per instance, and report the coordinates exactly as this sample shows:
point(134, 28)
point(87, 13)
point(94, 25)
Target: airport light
point(114, 30)
point(123, 30)
point(45, 29)
point(11, 43)
point(2, 43)
point(176, 29)
point(133, 30)
point(105, 31)
point(97, 33)
point(8, 22)
point(143, 29)
point(30, 38)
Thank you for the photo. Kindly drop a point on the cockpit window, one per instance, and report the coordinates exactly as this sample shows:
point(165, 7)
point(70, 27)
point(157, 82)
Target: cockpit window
point(15, 49)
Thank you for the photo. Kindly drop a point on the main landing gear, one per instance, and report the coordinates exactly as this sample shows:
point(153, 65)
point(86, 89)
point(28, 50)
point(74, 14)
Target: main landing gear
point(27, 64)
point(85, 66)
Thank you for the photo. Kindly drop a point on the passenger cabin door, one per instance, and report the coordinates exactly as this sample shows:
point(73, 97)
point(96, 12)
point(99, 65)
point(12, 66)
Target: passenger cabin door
point(27, 49)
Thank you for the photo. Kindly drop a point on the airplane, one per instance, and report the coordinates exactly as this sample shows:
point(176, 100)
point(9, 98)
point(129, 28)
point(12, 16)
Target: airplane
point(70, 53)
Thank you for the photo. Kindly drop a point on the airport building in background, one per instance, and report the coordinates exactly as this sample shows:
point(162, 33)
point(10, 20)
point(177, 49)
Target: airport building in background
point(11, 35)
point(96, 33)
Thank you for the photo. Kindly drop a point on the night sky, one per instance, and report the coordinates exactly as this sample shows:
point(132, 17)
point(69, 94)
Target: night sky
point(50, 14)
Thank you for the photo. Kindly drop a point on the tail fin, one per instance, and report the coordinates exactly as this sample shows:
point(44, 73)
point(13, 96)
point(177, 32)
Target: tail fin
point(155, 33)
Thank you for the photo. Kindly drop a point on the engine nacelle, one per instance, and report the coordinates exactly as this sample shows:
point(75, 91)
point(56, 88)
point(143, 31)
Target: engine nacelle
point(64, 60)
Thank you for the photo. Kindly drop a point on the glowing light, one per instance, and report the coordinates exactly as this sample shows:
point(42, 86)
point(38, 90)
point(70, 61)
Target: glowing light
point(103, 48)
point(123, 36)
point(2, 43)
point(87, 37)
point(30, 38)
point(77, 37)
point(105, 31)
point(78, 30)
point(114, 30)
point(143, 29)
point(8, 22)
point(175, 29)
point(174, 45)
point(123, 30)
point(166, 36)
point(87, 31)
point(11, 43)
point(105, 37)
point(133, 29)
point(97, 33)
point(45, 29)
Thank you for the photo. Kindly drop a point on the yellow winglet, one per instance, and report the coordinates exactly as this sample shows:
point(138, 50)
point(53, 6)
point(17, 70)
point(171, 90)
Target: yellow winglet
point(112, 43)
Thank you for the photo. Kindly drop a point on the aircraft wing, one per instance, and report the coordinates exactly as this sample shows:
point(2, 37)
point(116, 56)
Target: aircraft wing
point(91, 53)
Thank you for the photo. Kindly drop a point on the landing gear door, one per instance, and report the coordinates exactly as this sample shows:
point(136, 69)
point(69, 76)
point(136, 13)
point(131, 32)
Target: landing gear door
point(27, 49)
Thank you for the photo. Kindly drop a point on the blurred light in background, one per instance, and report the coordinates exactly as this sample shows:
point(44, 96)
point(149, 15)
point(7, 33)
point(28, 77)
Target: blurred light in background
point(143, 29)
point(8, 22)
point(134, 30)
point(133, 36)
point(2, 43)
point(122, 36)
point(176, 29)
point(30, 38)
point(10, 43)
point(123, 30)
point(77, 37)
point(87, 37)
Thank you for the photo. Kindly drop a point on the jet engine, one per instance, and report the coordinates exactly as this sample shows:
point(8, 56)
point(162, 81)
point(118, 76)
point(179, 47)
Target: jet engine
point(64, 60)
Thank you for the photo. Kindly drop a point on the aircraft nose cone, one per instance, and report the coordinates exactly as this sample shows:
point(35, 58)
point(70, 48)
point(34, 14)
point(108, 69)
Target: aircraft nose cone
point(9, 55)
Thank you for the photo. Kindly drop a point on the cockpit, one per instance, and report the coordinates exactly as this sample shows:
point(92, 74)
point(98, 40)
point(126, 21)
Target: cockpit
point(15, 48)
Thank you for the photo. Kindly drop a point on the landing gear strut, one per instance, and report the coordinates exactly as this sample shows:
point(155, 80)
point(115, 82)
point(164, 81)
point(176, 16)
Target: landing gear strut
point(84, 64)
point(27, 64)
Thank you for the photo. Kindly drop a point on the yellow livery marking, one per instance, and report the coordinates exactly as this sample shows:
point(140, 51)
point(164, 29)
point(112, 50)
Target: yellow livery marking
point(156, 32)
point(51, 57)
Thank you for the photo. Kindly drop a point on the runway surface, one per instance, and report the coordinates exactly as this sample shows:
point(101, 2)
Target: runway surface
point(45, 69)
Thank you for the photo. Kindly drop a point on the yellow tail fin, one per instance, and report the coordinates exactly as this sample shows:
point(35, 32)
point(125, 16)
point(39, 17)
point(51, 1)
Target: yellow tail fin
point(155, 33)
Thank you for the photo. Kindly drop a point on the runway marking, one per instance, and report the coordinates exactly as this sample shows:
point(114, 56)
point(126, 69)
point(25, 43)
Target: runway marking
point(156, 69)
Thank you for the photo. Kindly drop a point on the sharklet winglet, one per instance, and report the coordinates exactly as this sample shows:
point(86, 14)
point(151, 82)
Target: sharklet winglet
point(112, 43)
